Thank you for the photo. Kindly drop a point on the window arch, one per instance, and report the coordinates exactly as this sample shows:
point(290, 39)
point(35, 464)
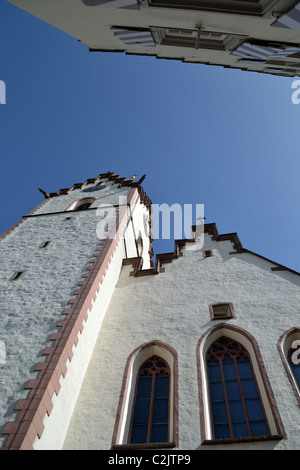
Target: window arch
point(147, 414)
point(236, 399)
point(81, 204)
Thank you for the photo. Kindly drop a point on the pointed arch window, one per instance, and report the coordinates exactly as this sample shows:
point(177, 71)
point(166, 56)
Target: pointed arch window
point(150, 423)
point(236, 406)
point(147, 415)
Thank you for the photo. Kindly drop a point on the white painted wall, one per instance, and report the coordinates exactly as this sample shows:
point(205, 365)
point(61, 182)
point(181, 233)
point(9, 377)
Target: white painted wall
point(173, 308)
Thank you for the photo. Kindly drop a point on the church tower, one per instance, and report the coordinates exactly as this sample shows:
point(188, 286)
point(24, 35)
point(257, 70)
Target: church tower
point(59, 267)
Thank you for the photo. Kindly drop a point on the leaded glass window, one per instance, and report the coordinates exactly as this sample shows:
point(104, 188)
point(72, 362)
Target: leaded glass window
point(293, 359)
point(151, 410)
point(236, 407)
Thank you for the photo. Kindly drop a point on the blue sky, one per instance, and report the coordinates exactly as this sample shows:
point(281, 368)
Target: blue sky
point(202, 134)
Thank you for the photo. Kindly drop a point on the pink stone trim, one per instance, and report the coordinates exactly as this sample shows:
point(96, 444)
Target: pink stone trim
point(22, 432)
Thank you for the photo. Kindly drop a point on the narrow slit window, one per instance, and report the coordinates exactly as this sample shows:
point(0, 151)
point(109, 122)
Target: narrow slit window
point(16, 275)
point(44, 244)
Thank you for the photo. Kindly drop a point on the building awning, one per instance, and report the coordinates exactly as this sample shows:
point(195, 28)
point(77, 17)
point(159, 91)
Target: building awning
point(290, 20)
point(253, 51)
point(129, 4)
point(135, 37)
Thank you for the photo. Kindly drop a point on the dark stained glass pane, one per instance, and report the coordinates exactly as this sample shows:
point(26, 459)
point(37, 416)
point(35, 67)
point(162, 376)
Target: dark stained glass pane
point(222, 431)
point(233, 390)
point(162, 386)
point(254, 409)
point(249, 388)
point(214, 371)
point(296, 371)
point(161, 410)
point(244, 368)
point(159, 433)
point(139, 434)
point(144, 387)
point(141, 413)
point(236, 411)
point(219, 412)
point(229, 370)
point(216, 391)
point(240, 429)
point(259, 428)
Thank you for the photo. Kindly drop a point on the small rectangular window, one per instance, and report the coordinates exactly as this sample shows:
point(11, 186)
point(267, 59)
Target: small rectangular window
point(221, 311)
point(16, 275)
point(207, 253)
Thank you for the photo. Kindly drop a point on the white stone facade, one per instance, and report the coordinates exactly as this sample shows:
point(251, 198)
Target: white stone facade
point(173, 308)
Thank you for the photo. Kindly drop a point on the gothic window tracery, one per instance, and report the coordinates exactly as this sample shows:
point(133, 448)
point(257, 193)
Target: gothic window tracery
point(150, 422)
point(236, 408)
